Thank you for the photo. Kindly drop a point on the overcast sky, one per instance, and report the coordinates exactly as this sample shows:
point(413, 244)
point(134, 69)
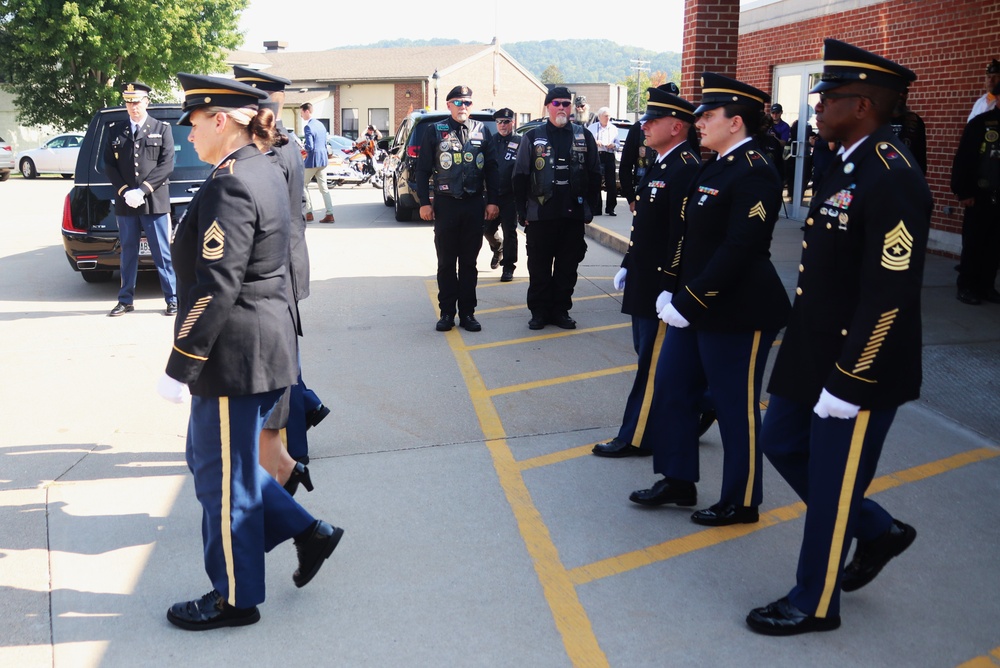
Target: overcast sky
point(313, 26)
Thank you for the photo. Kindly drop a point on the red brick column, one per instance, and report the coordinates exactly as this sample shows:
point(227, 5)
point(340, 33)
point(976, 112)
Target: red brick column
point(711, 33)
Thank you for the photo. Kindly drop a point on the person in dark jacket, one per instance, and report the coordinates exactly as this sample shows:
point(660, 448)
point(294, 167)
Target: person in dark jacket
point(234, 351)
point(850, 355)
point(557, 189)
point(504, 247)
point(138, 160)
point(724, 304)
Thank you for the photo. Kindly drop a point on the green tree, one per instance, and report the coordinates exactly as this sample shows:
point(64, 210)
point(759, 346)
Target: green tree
point(552, 75)
point(64, 60)
point(645, 81)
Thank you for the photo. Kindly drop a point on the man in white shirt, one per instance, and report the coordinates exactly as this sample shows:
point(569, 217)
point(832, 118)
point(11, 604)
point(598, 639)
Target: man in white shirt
point(606, 134)
point(989, 99)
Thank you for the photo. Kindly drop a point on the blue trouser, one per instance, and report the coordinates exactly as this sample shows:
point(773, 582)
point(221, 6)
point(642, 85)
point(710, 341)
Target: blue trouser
point(245, 512)
point(157, 227)
point(829, 462)
point(730, 365)
point(295, 429)
point(647, 338)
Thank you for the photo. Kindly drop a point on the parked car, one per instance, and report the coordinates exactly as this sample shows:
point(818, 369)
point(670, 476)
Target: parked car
point(399, 189)
point(622, 125)
point(89, 228)
point(56, 156)
point(6, 160)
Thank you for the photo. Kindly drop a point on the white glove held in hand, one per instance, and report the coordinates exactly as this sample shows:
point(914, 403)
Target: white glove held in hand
point(662, 300)
point(830, 406)
point(671, 316)
point(134, 198)
point(172, 390)
point(620, 279)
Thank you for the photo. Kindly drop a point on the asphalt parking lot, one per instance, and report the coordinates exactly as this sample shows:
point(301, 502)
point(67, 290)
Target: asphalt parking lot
point(479, 529)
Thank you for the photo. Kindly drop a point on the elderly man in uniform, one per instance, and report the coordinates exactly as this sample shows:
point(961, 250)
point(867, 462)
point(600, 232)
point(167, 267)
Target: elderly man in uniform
point(460, 155)
point(850, 355)
point(138, 160)
point(557, 189)
point(505, 248)
point(659, 197)
point(234, 350)
point(300, 406)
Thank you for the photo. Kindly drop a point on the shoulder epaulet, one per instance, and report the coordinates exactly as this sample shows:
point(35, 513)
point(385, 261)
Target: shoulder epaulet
point(755, 158)
point(890, 156)
point(689, 158)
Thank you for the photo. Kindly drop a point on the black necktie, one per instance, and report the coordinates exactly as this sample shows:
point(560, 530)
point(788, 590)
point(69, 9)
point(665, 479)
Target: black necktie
point(463, 134)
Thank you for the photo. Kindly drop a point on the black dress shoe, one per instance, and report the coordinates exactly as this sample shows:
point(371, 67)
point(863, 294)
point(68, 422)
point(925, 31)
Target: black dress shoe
point(721, 515)
point(316, 415)
point(469, 323)
point(495, 260)
point(210, 612)
point(969, 297)
point(300, 476)
point(667, 490)
point(781, 618)
point(871, 557)
point(314, 546)
point(171, 309)
point(611, 213)
point(120, 309)
point(507, 276)
point(445, 323)
point(618, 448)
point(536, 322)
point(563, 320)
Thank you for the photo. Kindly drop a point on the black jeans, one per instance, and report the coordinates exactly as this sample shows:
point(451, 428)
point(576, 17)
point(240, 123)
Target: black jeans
point(555, 249)
point(458, 237)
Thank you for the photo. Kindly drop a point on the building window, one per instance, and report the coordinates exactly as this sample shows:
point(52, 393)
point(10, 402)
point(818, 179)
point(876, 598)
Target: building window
point(380, 119)
point(349, 123)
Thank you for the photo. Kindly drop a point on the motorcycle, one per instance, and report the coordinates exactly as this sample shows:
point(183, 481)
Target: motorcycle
point(366, 161)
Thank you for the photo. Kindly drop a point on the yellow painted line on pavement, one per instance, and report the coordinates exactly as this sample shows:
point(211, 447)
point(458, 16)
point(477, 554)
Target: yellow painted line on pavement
point(991, 660)
point(716, 535)
point(555, 457)
point(568, 612)
point(548, 382)
point(521, 307)
point(546, 337)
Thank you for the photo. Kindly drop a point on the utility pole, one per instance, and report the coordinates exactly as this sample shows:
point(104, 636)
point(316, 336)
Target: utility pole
point(639, 66)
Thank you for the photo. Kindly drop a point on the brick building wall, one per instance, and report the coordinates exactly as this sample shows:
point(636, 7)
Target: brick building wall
point(948, 43)
point(711, 31)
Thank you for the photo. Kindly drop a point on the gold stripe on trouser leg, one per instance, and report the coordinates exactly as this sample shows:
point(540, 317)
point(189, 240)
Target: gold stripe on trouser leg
point(751, 422)
point(843, 510)
point(283, 435)
point(227, 497)
point(647, 395)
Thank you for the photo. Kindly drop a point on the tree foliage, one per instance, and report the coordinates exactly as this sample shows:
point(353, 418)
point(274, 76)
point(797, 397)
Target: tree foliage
point(646, 81)
point(65, 60)
point(552, 75)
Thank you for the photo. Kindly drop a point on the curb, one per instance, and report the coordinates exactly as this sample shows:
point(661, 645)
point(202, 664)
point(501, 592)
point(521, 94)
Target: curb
point(607, 238)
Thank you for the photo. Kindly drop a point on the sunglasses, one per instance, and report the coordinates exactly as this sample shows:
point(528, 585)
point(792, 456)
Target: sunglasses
point(504, 122)
point(560, 103)
point(461, 103)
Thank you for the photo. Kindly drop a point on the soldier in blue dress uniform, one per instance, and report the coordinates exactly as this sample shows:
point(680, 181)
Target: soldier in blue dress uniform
point(138, 160)
point(851, 353)
point(235, 351)
point(724, 303)
point(284, 443)
point(657, 202)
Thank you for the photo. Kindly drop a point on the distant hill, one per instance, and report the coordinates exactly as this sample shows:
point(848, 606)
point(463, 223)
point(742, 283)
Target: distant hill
point(579, 60)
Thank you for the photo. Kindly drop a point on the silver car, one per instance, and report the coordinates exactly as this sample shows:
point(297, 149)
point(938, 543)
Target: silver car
point(56, 156)
point(6, 160)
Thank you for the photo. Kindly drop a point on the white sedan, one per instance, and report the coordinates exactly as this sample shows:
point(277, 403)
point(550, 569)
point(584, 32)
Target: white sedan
point(56, 156)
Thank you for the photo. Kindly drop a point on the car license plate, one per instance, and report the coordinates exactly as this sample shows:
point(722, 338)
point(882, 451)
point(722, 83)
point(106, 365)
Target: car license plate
point(144, 247)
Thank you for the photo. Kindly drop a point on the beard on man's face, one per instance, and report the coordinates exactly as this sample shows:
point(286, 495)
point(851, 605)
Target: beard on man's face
point(560, 119)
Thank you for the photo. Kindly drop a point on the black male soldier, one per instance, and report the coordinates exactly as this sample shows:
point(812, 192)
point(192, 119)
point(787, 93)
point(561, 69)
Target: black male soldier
point(557, 188)
point(138, 160)
point(460, 154)
point(507, 142)
point(850, 355)
point(975, 180)
point(657, 204)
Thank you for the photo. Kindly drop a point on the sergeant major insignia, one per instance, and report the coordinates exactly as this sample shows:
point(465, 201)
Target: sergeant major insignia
point(213, 244)
point(897, 248)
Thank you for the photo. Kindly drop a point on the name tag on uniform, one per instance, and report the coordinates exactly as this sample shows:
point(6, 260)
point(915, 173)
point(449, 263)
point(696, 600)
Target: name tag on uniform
point(151, 136)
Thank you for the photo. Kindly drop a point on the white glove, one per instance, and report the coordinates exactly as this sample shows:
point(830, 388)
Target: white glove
point(172, 390)
point(135, 197)
point(620, 279)
point(830, 406)
point(662, 300)
point(672, 317)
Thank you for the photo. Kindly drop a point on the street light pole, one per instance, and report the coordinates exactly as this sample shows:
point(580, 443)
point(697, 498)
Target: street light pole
point(436, 77)
point(639, 66)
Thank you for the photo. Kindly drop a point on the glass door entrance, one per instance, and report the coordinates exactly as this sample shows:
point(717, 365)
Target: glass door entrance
point(791, 90)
